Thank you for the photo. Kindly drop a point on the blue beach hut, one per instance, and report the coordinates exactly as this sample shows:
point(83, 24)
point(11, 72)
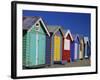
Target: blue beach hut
point(75, 48)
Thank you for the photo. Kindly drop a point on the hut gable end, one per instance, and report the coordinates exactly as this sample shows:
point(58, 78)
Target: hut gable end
point(41, 28)
point(68, 35)
point(58, 33)
point(76, 38)
point(34, 23)
point(54, 29)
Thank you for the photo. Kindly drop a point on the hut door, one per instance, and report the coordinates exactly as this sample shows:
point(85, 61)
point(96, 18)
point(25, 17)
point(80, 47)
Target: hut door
point(76, 50)
point(56, 48)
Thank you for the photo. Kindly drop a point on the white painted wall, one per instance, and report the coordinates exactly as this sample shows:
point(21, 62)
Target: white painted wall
point(66, 44)
point(5, 40)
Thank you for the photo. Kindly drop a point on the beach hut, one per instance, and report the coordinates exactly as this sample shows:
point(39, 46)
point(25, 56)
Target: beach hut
point(86, 47)
point(75, 48)
point(81, 47)
point(56, 44)
point(66, 56)
point(34, 42)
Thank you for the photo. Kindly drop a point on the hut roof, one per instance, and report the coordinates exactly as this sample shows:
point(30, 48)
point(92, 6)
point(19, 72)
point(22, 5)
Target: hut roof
point(28, 21)
point(66, 32)
point(86, 39)
point(54, 28)
point(75, 36)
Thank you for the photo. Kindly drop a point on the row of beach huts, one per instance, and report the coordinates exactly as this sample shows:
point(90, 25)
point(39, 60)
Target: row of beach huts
point(49, 45)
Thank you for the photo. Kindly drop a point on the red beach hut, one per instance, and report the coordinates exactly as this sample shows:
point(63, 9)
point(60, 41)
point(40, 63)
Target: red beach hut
point(66, 56)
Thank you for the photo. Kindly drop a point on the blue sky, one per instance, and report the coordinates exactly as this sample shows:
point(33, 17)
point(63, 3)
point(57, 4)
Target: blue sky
point(78, 23)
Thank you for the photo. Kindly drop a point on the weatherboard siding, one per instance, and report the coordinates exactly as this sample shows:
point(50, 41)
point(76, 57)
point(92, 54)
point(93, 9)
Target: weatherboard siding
point(24, 50)
point(48, 50)
point(41, 48)
point(72, 51)
point(35, 47)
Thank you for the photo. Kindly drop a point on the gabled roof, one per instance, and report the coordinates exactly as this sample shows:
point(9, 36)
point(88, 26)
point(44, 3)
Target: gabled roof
point(54, 28)
point(86, 39)
point(75, 36)
point(29, 21)
point(81, 37)
point(66, 32)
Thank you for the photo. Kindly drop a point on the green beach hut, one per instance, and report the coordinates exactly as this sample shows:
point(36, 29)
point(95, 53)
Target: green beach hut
point(34, 42)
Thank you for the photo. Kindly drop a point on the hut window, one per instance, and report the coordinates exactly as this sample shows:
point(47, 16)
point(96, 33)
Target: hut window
point(37, 27)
